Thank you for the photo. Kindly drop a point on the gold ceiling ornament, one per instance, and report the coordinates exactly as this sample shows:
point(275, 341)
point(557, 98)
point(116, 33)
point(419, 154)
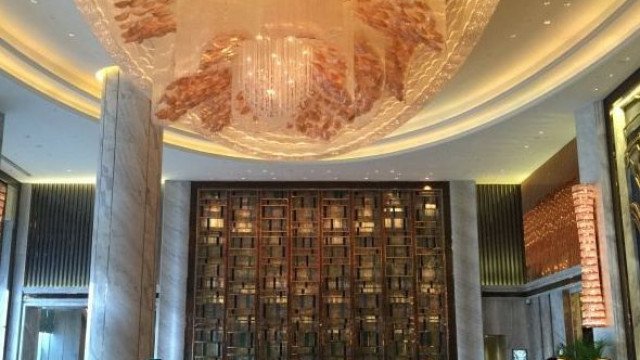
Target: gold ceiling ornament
point(289, 79)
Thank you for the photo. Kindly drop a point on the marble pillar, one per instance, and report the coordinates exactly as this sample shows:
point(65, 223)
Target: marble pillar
point(466, 270)
point(593, 164)
point(125, 233)
point(19, 263)
point(174, 270)
point(6, 260)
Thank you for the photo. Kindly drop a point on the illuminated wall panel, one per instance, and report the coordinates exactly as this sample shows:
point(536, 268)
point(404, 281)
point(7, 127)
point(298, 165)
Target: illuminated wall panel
point(320, 274)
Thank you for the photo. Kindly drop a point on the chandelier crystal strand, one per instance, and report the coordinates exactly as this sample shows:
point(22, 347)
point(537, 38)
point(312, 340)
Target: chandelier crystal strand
point(276, 76)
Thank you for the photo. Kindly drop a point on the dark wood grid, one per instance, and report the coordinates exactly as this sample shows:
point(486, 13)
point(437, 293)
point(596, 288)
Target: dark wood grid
point(288, 272)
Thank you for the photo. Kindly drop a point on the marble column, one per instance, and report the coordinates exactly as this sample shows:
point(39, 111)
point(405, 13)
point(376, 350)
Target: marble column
point(466, 270)
point(593, 163)
point(19, 263)
point(174, 269)
point(6, 261)
point(125, 233)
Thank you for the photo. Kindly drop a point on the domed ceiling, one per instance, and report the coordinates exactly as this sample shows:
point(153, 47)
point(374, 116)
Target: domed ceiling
point(523, 67)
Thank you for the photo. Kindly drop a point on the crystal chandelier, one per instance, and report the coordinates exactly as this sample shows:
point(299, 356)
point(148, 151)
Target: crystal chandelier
point(289, 79)
point(275, 76)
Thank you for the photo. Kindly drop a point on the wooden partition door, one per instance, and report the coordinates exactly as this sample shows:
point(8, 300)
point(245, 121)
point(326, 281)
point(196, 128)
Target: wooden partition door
point(322, 271)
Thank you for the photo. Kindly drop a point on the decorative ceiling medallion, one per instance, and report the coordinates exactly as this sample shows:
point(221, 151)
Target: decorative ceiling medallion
point(289, 79)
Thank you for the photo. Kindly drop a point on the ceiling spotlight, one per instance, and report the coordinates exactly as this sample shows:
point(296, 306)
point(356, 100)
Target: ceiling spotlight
point(513, 36)
point(596, 89)
point(526, 146)
point(540, 132)
point(610, 75)
point(546, 3)
point(244, 178)
point(567, 4)
point(72, 35)
point(34, 1)
point(547, 22)
point(366, 178)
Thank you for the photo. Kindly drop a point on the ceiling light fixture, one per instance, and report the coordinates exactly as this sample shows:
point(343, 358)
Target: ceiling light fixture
point(300, 79)
point(547, 22)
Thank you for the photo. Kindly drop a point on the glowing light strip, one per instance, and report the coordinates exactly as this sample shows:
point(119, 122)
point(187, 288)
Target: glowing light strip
point(35, 79)
point(594, 312)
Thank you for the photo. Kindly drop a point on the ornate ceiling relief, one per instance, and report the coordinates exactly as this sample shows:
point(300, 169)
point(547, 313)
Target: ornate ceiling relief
point(289, 79)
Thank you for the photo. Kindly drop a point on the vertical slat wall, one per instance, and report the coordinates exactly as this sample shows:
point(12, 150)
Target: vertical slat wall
point(59, 243)
point(500, 228)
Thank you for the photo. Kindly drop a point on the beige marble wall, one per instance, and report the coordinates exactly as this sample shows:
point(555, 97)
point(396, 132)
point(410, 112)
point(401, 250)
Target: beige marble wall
point(594, 169)
point(19, 258)
point(174, 268)
point(125, 234)
point(466, 270)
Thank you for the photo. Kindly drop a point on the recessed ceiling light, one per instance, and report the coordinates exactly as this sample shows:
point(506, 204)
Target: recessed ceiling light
point(610, 75)
point(427, 178)
point(567, 4)
point(526, 146)
point(596, 89)
point(34, 1)
point(627, 59)
point(244, 178)
point(547, 22)
point(513, 36)
point(71, 35)
point(335, 178)
point(546, 3)
point(304, 178)
point(273, 178)
point(366, 178)
point(392, 171)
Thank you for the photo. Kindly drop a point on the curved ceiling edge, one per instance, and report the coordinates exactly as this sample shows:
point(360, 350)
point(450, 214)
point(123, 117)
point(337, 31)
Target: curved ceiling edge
point(35, 74)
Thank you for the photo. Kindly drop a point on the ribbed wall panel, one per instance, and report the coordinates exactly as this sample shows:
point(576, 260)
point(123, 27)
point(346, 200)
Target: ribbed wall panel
point(59, 244)
point(501, 235)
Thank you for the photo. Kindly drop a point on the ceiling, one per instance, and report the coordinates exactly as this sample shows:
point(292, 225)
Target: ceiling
point(507, 111)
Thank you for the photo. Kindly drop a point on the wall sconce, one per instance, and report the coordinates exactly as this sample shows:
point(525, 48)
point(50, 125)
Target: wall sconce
point(594, 312)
